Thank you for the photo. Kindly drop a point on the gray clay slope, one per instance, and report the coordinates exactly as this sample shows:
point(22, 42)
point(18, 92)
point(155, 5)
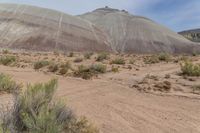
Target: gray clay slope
point(34, 28)
point(129, 33)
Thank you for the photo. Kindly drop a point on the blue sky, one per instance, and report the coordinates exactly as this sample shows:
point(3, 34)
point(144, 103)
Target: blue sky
point(178, 15)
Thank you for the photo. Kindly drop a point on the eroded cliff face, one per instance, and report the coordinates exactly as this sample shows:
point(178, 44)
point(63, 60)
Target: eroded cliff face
point(136, 34)
point(33, 28)
point(193, 35)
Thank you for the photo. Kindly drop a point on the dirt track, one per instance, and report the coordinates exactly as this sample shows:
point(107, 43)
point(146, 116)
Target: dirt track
point(115, 107)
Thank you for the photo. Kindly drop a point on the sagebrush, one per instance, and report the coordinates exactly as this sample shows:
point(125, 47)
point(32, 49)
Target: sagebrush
point(35, 111)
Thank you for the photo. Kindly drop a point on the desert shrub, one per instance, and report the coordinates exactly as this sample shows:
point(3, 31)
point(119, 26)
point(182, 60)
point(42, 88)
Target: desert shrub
point(34, 111)
point(7, 84)
point(5, 51)
point(190, 69)
point(88, 55)
point(151, 60)
point(71, 54)
point(64, 68)
point(87, 72)
point(102, 56)
point(7, 60)
point(119, 61)
point(40, 64)
point(78, 60)
point(132, 61)
point(53, 67)
point(98, 68)
point(115, 69)
point(56, 53)
point(164, 57)
point(184, 58)
point(83, 72)
point(196, 89)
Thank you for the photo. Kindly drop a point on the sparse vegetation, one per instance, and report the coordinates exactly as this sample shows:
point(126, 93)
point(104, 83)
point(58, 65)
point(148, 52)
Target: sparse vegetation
point(53, 67)
point(7, 84)
point(7, 60)
point(35, 112)
point(78, 60)
point(40, 64)
point(190, 69)
point(102, 56)
point(88, 55)
point(5, 51)
point(64, 68)
point(115, 69)
point(71, 54)
point(87, 72)
point(98, 68)
point(151, 60)
point(132, 61)
point(196, 89)
point(119, 61)
point(164, 57)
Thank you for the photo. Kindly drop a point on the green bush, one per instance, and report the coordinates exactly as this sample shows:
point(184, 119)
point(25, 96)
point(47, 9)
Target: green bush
point(7, 60)
point(7, 84)
point(40, 64)
point(34, 111)
point(88, 55)
point(102, 56)
point(190, 69)
point(119, 61)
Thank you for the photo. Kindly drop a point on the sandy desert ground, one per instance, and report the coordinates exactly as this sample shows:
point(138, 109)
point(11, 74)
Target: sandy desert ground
point(129, 101)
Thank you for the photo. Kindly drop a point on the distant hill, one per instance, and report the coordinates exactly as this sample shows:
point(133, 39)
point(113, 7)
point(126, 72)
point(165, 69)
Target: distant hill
point(40, 29)
point(136, 34)
point(104, 29)
point(193, 35)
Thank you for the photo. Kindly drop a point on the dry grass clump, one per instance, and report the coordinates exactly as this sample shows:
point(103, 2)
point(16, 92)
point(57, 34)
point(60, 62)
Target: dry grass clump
point(34, 111)
point(196, 89)
point(40, 64)
point(190, 69)
point(7, 84)
point(157, 58)
point(78, 60)
point(88, 55)
point(5, 51)
point(98, 68)
point(132, 61)
point(115, 69)
point(64, 68)
point(71, 54)
point(102, 56)
point(151, 60)
point(164, 57)
point(87, 72)
point(7, 60)
point(164, 86)
point(53, 67)
point(118, 61)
